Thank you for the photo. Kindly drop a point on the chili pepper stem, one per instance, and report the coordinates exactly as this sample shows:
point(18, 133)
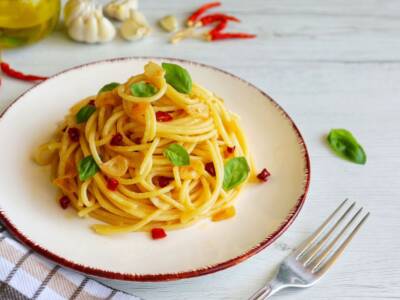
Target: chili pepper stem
point(185, 33)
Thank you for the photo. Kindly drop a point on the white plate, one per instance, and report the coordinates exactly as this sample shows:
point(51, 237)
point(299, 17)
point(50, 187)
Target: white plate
point(264, 211)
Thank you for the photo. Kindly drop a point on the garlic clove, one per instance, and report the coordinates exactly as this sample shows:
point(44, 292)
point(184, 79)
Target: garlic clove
point(139, 18)
point(106, 30)
point(91, 31)
point(169, 23)
point(136, 27)
point(75, 29)
point(131, 31)
point(120, 9)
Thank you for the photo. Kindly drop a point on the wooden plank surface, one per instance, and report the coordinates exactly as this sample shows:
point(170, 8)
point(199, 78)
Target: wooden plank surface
point(329, 64)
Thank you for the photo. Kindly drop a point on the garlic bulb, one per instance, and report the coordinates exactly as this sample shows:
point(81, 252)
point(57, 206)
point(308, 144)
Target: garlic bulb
point(92, 27)
point(76, 8)
point(120, 9)
point(136, 27)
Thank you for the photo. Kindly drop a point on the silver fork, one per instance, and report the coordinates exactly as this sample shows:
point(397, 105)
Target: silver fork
point(309, 262)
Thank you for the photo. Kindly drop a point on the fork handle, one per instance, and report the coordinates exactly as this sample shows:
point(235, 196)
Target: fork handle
point(268, 290)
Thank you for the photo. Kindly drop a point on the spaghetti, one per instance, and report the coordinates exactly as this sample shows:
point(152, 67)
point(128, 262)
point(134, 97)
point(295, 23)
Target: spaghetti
point(155, 152)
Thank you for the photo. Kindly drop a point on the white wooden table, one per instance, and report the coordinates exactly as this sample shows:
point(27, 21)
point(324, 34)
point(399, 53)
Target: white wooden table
point(329, 64)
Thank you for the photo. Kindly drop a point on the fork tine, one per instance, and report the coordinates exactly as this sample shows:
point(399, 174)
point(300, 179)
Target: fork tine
point(309, 241)
point(335, 255)
point(315, 249)
point(317, 261)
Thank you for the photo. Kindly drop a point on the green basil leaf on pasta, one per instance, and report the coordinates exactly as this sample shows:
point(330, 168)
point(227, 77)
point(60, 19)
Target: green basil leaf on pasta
point(177, 155)
point(108, 87)
point(178, 77)
point(87, 168)
point(143, 89)
point(236, 171)
point(345, 145)
point(84, 113)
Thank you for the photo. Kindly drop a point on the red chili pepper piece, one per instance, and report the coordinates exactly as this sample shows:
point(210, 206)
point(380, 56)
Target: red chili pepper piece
point(220, 26)
point(215, 36)
point(210, 168)
point(162, 116)
point(137, 141)
point(112, 184)
point(163, 181)
point(201, 10)
point(92, 102)
point(206, 20)
point(263, 175)
point(116, 140)
point(7, 70)
point(73, 134)
point(64, 202)
point(158, 233)
point(230, 149)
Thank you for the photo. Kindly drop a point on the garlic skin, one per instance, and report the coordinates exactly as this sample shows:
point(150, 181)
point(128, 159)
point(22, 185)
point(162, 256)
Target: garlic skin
point(91, 28)
point(120, 9)
point(135, 28)
point(169, 23)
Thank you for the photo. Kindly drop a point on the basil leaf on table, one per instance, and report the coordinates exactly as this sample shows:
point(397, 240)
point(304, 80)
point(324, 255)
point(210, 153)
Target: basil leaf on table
point(178, 77)
point(84, 113)
point(87, 168)
point(344, 144)
point(143, 89)
point(177, 155)
point(236, 171)
point(108, 87)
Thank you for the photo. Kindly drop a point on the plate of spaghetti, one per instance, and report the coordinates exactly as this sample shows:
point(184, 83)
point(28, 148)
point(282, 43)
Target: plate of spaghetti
point(149, 169)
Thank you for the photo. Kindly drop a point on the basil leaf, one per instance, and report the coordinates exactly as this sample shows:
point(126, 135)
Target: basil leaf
point(178, 77)
point(235, 172)
point(143, 89)
point(108, 87)
point(344, 144)
point(84, 113)
point(177, 155)
point(87, 168)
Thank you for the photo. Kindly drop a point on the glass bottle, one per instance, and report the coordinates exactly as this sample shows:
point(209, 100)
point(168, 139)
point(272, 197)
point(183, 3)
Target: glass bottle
point(26, 21)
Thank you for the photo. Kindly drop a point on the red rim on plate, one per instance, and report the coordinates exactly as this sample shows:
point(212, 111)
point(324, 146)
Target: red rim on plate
point(181, 275)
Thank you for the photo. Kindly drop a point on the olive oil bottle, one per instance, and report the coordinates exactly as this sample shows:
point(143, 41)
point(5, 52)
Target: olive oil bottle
point(26, 21)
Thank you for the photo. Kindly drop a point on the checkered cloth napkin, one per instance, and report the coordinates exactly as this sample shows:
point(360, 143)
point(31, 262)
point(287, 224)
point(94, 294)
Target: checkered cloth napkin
point(25, 275)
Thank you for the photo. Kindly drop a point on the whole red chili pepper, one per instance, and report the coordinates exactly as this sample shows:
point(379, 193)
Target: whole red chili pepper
point(202, 9)
point(215, 36)
point(217, 18)
point(7, 70)
point(220, 26)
